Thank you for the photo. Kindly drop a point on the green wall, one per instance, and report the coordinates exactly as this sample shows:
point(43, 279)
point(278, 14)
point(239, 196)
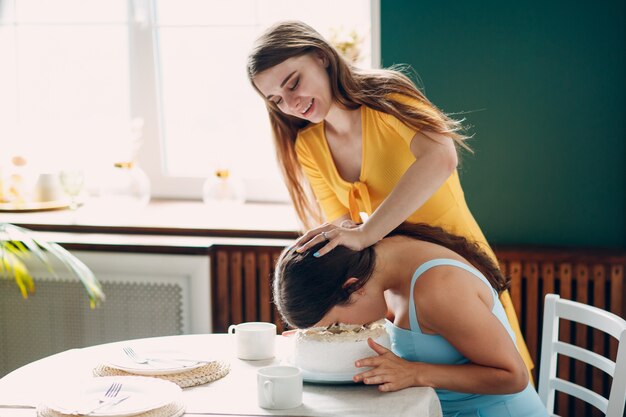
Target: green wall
point(544, 85)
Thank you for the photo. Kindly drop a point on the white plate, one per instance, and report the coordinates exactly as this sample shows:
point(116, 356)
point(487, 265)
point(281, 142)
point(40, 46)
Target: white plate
point(145, 394)
point(171, 363)
point(322, 377)
point(327, 378)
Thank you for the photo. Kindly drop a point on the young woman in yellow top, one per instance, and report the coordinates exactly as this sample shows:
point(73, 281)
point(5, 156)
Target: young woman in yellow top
point(351, 141)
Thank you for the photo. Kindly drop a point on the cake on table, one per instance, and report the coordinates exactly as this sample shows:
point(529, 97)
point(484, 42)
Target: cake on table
point(335, 349)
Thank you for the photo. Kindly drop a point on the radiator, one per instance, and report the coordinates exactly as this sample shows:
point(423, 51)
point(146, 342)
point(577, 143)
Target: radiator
point(58, 317)
point(147, 295)
point(592, 278)
point(241, 292)
point(241, 286)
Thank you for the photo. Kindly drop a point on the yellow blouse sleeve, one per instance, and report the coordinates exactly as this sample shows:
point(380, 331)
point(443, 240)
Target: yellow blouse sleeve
point(407, 133)
point(326, 197)
point(404, 131)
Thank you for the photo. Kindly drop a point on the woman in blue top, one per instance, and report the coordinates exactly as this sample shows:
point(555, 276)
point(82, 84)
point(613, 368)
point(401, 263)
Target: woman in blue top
point(448, 332)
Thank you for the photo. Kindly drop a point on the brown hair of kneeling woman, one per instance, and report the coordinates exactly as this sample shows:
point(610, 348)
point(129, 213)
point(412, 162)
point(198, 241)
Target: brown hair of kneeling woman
point(305, 288)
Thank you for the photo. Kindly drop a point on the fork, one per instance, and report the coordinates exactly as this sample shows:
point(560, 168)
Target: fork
point(130, 352)
point(108, 398)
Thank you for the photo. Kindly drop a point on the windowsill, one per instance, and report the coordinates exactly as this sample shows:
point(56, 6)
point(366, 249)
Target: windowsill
point(167, 217)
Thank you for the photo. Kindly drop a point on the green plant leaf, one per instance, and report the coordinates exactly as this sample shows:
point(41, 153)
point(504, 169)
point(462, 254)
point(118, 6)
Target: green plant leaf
point(26, 244)
point(13, 265)
point(16, 245)
point(88, 279)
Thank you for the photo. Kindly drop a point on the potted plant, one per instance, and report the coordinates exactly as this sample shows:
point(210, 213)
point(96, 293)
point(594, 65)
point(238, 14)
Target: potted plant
point(18, 248)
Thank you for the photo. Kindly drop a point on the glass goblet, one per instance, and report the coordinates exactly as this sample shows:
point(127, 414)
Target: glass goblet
point(72, 181)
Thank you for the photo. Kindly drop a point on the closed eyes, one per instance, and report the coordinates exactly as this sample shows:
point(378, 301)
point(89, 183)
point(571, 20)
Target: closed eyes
point(295, 84)
point(291, 87)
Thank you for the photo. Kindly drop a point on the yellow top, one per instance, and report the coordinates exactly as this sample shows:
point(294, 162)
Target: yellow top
point(386, 155)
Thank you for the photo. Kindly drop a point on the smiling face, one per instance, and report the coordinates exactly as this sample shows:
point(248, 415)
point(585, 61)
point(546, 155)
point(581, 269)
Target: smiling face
point(299, 86)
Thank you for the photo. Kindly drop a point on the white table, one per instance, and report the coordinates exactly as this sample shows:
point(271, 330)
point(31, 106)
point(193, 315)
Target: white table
point(233, 395)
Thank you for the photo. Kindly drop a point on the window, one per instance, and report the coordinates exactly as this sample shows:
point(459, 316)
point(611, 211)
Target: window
point(64, 81)
point(77, 73)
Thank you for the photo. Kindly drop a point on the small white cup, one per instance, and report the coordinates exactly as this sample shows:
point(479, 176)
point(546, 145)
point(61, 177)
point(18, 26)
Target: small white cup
point(279, 387)
point(48, 187)
point(254, 340)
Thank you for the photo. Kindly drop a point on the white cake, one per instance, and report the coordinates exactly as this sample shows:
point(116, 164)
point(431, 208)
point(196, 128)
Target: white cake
point(335, 349)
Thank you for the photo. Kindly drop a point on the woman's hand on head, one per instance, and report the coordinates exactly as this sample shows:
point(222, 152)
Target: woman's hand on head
point(349, 234)
point(390, 373)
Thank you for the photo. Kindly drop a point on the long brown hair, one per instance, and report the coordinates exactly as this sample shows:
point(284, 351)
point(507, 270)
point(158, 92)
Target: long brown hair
point(305, 288)
point(471, 251)
point(351, 88)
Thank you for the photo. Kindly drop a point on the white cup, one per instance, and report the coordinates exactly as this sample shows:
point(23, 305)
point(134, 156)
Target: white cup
point(48, 187)
point(254, 340)
point(279, 387)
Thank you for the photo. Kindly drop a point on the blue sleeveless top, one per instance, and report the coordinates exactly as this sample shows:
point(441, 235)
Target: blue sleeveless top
point(413, 345)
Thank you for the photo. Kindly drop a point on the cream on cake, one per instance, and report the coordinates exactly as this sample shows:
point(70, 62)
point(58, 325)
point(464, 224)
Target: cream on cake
point(334, 349)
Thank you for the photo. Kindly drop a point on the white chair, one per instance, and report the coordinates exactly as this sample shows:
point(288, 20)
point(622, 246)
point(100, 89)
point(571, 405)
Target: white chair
point(556, 309)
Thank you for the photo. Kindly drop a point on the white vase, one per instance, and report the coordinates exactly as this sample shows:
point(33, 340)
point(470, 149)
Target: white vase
point(126, 184)
point(222, 187)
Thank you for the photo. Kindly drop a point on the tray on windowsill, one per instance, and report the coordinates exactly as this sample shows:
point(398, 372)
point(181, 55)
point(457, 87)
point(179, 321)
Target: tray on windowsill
point(35, 206)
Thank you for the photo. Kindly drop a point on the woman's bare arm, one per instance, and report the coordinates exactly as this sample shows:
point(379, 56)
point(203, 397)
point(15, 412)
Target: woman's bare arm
point(435, 160)
point(448, 303)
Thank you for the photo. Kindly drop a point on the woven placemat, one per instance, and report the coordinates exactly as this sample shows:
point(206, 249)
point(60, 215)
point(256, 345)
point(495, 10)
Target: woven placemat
point(210, 372)
point(175, 409)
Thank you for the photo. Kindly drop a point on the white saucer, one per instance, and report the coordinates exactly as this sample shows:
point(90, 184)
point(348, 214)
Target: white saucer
point(146, 394)
point(327, 378)
point(322, 377)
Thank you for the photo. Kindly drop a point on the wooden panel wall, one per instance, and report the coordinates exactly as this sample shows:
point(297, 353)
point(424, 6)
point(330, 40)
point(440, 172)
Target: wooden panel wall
point(241, 292)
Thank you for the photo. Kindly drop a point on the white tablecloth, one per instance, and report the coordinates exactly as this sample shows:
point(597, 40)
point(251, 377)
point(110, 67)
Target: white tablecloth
point(234, 394)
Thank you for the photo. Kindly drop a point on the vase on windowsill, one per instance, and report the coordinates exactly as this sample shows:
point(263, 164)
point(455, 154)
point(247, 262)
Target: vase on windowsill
point(222, 187)
point(126, 186)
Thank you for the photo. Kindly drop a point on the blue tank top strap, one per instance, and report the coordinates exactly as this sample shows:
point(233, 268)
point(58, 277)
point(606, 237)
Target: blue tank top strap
point(438, 262)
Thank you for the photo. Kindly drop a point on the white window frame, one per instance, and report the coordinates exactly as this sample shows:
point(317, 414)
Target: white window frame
point(144, 103)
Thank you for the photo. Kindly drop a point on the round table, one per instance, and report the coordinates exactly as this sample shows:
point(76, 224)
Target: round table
point(232, 395)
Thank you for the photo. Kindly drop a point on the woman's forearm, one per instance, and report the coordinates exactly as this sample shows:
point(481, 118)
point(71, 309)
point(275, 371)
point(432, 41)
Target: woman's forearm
point(470, 378)
point(420, 181)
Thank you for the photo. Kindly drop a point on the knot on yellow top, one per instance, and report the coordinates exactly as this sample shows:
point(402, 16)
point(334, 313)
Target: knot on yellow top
point(358, 192)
